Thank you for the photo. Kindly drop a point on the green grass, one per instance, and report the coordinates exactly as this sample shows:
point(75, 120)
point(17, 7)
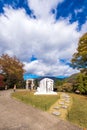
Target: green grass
point(42, 102)
point(78, 111)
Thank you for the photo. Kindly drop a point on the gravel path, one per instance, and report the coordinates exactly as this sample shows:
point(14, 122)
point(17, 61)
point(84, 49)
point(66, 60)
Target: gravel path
point(15, 115)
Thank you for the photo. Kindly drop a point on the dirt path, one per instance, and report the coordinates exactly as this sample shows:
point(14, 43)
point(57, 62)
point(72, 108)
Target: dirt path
point(15, 115)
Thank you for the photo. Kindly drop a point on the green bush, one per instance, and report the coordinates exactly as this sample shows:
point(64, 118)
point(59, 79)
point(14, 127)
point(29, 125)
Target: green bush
point(66, 87)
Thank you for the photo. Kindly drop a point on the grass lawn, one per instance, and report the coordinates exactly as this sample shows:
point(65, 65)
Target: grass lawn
point(78, 111)
point(43, 102)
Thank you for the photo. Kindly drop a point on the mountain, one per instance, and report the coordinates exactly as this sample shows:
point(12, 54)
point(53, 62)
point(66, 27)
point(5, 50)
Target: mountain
point(72, 78)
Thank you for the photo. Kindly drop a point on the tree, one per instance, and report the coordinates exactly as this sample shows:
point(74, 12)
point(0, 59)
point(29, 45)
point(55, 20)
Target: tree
point(12, 69)
point(1, 81)
point(79, 59)
point(57, 84)
point(81, 83)
point(67, 87)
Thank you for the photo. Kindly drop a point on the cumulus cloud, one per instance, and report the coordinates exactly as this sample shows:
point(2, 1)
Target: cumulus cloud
point(84, 28)
point(42, 8)
point(48, 40)
point(40, 68)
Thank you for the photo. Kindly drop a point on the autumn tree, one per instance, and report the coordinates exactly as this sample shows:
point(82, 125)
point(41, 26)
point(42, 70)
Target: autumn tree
point(1, 81)
point(12, 69)
point(79, 61)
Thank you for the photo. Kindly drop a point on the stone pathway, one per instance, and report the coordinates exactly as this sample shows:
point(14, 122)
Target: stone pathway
point(15, 115)
point(62, 106)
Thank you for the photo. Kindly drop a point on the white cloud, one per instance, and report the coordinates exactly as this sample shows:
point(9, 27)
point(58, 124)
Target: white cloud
point(49, 41)
point(78, 11)
point(40, 68)
point(84, 28)
point(42, 8)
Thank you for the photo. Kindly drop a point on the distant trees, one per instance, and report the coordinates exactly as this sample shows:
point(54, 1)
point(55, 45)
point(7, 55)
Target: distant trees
point(12, 69)
point(67, 87)
point(57, 84)
point(79, 61)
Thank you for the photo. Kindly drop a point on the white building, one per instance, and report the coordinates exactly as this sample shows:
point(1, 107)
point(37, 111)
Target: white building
point(45, 86)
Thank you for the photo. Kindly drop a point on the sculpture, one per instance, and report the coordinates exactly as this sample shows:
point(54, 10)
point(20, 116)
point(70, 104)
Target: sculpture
point(45, 86)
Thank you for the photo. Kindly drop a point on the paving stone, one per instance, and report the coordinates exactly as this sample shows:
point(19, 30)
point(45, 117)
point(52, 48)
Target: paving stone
point(61, 103)
point(56, 113)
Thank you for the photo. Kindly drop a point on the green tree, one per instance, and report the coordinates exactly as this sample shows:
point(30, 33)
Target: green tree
point(57, 84)
point(81, 83)
point(12, 69)
point(79, 59)
point(67, 87)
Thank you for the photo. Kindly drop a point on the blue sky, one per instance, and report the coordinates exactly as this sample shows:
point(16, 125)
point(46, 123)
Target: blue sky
point(43, 34)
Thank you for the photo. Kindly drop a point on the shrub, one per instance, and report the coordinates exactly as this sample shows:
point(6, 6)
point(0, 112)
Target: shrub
point(67, 87)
